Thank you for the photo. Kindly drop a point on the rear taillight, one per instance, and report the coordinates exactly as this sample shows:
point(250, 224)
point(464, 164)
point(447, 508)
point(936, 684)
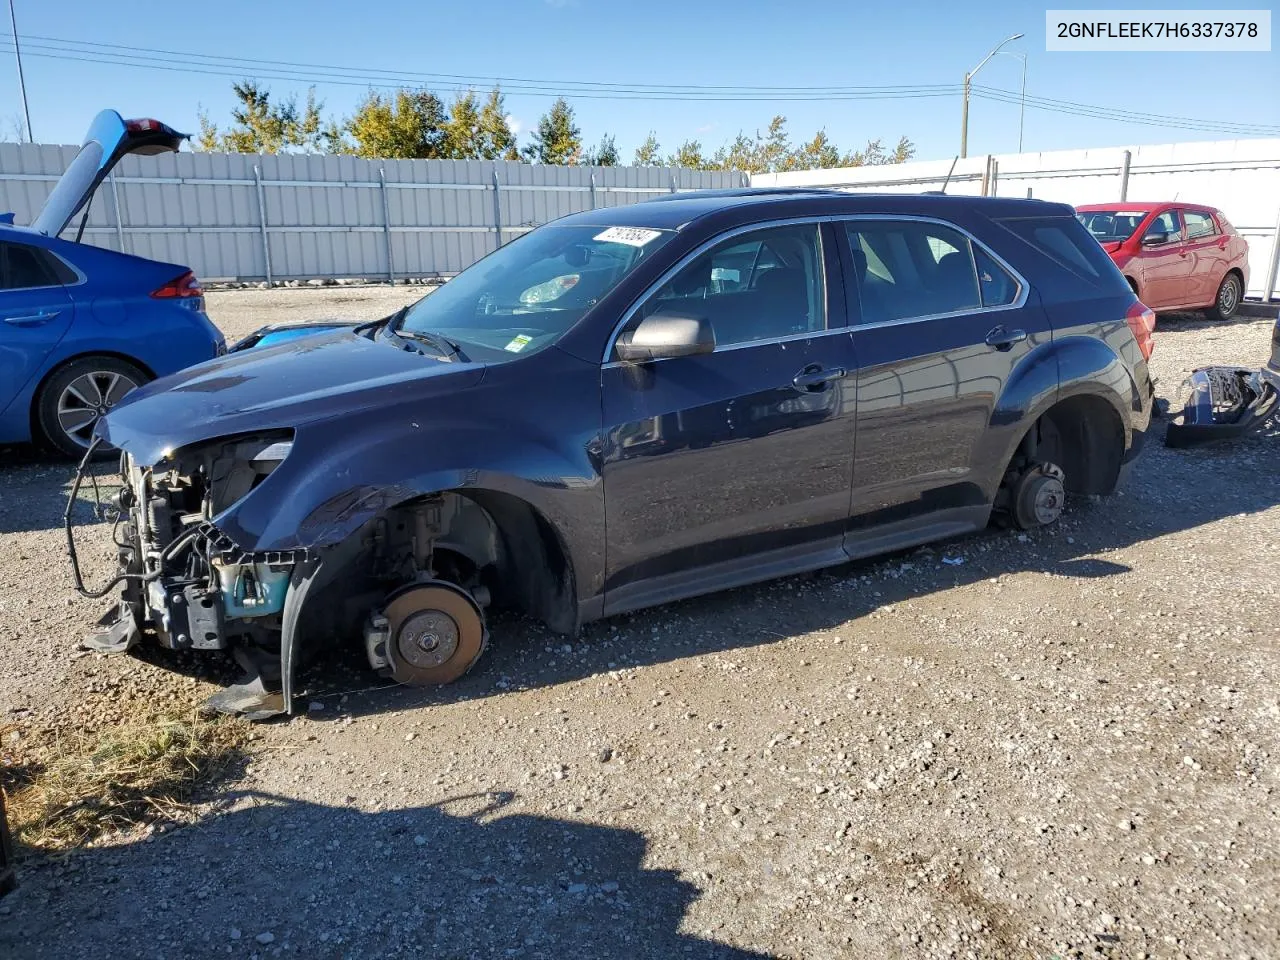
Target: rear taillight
point(184, 286)
point(1142, 321)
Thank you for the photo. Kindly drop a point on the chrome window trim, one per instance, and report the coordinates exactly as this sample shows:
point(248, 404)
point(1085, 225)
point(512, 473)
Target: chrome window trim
point(1020, 301)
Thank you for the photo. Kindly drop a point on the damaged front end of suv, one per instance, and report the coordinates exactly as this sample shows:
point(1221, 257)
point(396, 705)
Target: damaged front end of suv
point(182, 579)
point(411, 580)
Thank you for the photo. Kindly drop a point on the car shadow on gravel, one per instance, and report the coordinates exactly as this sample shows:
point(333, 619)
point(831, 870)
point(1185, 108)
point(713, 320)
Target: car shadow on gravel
point(469, 877)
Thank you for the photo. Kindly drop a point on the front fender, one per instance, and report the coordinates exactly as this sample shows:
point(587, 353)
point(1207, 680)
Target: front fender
point(340, 475)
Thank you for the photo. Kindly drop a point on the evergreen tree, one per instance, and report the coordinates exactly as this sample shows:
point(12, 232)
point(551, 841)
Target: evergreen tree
point(496, 141)
point(557, 140)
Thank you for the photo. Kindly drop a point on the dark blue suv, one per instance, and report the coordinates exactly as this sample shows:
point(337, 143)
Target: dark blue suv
point(623, 408)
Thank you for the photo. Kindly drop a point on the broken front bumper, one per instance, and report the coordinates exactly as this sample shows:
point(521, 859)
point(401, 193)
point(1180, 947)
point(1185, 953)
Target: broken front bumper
point(1223, 403)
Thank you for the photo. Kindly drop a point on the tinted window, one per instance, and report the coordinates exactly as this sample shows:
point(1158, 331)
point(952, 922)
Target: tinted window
point(998, 288)
point(24, 267)
point(910, 269)
point(1198, 224)
point(757, 286)
point(1064, 241)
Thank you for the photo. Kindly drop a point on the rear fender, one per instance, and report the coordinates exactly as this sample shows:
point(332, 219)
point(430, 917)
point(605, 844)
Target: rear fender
point(1055, 371)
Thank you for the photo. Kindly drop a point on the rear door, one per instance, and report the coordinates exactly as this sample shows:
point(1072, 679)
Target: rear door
point(1206, 248)
point(941, 324)
point(35, 313)
point(733, 465)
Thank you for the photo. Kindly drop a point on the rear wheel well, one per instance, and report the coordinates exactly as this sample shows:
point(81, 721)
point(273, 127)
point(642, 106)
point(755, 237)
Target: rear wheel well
point(1085, 437)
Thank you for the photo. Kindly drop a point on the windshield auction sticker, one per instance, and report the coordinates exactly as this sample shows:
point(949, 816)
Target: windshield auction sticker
point(518, 343)
point(631, 236)
point(1137, 30)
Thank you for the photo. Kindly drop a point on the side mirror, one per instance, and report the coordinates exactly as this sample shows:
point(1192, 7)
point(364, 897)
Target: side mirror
point(1153, 238)
point(664, 335)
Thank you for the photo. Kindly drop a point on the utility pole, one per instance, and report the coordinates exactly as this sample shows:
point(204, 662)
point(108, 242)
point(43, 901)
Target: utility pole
point(964, 116)
point(22, 84)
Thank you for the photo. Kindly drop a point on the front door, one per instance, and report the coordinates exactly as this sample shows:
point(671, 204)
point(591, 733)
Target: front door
point(1165, 266)
point(940, 325)
point(735, 465)
point(35, 312)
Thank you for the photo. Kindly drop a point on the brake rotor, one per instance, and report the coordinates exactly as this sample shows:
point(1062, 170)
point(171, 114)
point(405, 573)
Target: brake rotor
point(435, 633)
point(1039, 496)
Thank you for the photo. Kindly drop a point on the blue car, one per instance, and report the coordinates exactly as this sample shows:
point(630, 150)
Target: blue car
point(81, 326)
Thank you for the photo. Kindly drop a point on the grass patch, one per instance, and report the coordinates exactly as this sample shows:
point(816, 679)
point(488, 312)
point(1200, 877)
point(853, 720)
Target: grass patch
point(66, 788)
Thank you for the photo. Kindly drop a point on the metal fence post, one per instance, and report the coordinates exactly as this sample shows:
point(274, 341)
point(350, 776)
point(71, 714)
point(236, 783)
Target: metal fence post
point(497, 207)
point(1269, 281)
point(593, 190)
point(262, 219)
point(1124, 176)
point(673, 181)
point(386, 224)
point(995, 175)
point(115, 202)
point(986, 176)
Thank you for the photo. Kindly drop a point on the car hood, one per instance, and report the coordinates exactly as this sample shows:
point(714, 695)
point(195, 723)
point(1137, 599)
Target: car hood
point(306, 381)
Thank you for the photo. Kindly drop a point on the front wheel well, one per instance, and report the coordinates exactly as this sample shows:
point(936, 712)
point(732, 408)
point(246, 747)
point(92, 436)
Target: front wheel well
point(1085, 437)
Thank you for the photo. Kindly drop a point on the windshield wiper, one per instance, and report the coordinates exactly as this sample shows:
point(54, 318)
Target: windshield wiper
point(450, 348)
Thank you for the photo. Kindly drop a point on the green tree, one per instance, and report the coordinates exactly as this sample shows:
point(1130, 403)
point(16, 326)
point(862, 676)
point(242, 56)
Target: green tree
point(818, 153)
point(647, 154)
point(496, 141)
point(462, 128)
point(689, 155)
point(741, 154)
point(261, 126)
point(874, 154)
point(407, 124)
point(557, 139)
point(772, 152)
point(605, 155)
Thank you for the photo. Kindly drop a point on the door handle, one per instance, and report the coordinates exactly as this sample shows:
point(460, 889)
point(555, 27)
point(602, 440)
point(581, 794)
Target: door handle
point(32, 320)
point(1003, 339)
point(814, 378)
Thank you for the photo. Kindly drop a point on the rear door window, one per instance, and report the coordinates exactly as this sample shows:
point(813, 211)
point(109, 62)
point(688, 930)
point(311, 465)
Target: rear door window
point(909, 269)
point(1198, 224)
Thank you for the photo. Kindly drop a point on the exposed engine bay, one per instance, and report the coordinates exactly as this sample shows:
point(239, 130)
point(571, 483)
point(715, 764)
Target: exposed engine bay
point(410, 584)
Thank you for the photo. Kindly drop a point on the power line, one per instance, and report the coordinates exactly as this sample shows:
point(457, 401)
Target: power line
point(297, 72)
point(55, 44)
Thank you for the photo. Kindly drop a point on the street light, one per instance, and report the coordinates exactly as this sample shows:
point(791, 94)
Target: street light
point(964, 122)
point(1022, 97)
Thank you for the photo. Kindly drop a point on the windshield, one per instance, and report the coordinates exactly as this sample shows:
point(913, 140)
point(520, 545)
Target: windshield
point(523, 296)
point(1109, 226)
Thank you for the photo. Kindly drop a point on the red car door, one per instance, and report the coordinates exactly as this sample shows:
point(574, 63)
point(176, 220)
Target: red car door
point(1164, 263)
point(1206, 247)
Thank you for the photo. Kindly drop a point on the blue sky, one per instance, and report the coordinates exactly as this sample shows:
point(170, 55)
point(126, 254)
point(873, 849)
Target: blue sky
point(710, 42)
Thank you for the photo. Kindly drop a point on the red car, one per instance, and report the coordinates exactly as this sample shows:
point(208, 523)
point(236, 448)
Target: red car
point(1176, 256)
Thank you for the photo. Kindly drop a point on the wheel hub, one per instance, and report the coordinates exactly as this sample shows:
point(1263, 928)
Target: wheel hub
point(428, 639)
point(1049, 499)
point(435, 632)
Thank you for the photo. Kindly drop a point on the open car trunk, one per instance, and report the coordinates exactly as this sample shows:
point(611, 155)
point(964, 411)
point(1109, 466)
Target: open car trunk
point(110, 137)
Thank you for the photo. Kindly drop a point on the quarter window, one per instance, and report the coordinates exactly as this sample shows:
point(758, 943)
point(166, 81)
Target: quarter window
point(757, 286)
point(1198, 224)
point(910, 269)
point(23, 267)
point(998, 288)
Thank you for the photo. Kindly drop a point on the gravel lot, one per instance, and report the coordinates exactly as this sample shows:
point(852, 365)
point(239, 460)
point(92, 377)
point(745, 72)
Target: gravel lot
point(1065, 744)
